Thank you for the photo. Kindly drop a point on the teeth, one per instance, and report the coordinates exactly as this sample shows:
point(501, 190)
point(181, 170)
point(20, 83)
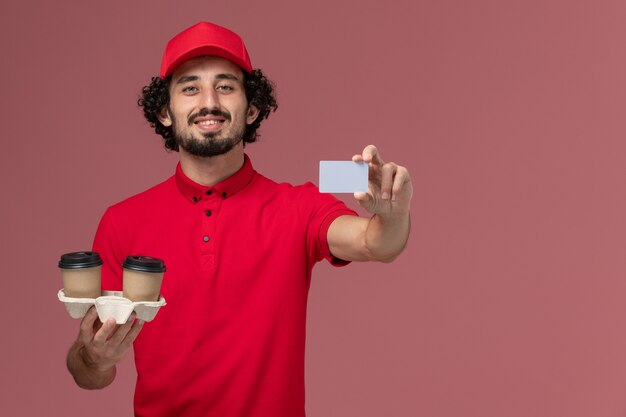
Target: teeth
point(208, 122)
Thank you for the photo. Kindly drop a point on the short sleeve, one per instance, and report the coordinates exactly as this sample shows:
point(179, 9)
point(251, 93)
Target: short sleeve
point(107, 244)
point(321, 210)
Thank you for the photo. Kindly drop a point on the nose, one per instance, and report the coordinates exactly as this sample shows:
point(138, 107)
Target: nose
point(210, 99)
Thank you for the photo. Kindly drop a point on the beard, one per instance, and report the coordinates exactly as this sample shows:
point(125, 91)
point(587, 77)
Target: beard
point(209, 146)
point(212, 144)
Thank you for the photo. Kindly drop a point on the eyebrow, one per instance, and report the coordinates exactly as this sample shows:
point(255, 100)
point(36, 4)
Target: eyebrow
point(227, 77)
point(188, 78)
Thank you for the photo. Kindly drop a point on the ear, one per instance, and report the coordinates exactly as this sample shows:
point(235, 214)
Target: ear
point(253, 113)
point(164, 117)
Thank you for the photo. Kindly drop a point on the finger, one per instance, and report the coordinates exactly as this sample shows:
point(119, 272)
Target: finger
point(122, 331)
point(96, 326)
point(357, 158)
point(364, 199)
point(400, 180)
point(361, 196)
point(105, 332)
point(87, 323)
point(371, 154)
point(386, 183)
point(132, 334)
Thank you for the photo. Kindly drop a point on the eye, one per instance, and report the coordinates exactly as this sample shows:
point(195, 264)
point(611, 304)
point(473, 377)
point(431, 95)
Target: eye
point(190, 90)
point(225, 88)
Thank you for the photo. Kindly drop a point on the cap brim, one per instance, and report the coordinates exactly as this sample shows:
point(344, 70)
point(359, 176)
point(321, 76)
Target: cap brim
point(205, 50)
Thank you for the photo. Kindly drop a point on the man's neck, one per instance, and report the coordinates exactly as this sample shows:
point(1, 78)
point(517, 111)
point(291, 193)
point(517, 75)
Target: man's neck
point(211, 170)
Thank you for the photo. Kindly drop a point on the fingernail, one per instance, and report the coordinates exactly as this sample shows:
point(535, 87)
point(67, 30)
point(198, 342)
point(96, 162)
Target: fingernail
point(385, 196)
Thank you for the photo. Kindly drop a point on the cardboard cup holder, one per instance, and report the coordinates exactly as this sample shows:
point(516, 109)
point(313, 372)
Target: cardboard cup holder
point(111, 304)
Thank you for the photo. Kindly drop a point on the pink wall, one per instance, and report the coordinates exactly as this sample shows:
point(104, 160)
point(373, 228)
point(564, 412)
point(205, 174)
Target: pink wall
point(509, 300)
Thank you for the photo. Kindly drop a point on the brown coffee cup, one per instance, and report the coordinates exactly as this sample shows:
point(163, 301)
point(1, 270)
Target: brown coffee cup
point(81, 274)
point(142, 277)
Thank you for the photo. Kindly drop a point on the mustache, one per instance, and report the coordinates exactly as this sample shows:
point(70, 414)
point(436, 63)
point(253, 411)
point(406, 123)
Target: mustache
point(205, 112)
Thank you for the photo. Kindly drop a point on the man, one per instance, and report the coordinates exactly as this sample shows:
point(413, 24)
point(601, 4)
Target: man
point(239, 248)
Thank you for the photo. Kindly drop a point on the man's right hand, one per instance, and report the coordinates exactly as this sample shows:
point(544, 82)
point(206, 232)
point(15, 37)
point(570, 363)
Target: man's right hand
point(99, 347)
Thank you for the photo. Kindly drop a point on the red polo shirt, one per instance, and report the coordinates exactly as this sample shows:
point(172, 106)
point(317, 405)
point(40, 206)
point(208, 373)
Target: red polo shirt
point(239, 255)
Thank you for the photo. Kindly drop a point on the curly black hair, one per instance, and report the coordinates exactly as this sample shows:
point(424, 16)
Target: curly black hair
point(259, 93)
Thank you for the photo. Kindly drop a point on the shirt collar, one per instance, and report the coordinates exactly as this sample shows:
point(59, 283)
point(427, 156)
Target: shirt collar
point(195, 192)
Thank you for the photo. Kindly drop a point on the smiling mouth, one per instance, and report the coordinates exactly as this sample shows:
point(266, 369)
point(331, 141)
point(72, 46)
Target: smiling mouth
point(211, 124)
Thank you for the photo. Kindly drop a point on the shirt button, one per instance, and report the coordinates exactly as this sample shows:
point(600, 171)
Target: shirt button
point(206, 238)
point(223, 195)
point(208, 213)
point(209, 192)
point(195, 199)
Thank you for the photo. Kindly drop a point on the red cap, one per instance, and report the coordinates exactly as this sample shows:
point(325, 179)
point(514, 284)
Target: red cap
point(204, 39)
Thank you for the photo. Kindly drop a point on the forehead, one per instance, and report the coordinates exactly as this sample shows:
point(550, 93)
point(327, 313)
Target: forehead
point(207, 67)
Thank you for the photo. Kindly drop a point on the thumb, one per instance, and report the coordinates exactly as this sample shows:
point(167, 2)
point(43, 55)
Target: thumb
point(365, 200)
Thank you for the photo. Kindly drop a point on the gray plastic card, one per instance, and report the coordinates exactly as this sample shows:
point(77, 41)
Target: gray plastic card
point(343, 177)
